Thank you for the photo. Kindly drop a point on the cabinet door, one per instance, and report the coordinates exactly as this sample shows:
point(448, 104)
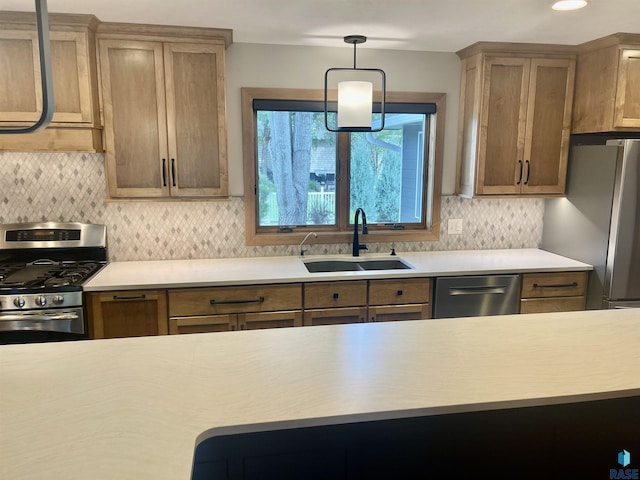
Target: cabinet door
point(195, 86)
point(133, 95)
point(203, 324)
point(335, 316)
point(127, 314)
point(254, 321)
point(548, 305)
point(20, 84)
point(548, 125)
point(627, 106)
point(394, 313)
point(502, 125)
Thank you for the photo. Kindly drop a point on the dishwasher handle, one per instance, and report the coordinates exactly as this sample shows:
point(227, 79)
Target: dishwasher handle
point(481, 290)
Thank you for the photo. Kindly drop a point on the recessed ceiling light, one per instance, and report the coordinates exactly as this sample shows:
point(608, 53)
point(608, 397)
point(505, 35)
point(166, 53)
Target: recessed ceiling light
point(569, 4)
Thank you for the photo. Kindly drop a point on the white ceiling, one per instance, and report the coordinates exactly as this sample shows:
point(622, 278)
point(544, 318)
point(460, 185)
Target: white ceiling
point(430, 25)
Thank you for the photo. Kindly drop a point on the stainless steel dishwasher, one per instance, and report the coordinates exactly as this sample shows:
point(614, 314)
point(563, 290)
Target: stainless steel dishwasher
point(474, 296)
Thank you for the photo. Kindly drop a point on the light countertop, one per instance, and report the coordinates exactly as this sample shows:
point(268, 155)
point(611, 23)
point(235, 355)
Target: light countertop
point(255, 270)
point(135, 408)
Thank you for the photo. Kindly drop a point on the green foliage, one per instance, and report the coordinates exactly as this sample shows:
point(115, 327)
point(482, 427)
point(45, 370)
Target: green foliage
point(265, 189)
point(376, 176)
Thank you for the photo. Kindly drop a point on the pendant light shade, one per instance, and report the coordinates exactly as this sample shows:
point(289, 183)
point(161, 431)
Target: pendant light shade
point(355, 104)
point(355, 95)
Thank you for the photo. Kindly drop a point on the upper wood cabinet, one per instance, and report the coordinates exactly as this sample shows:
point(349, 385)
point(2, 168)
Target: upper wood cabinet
point(75, 125)
point(607, 94)
point(163, 94)
point(514, 120)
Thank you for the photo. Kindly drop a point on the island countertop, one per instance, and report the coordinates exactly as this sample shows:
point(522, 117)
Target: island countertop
point(260, 270)
point(135, 408)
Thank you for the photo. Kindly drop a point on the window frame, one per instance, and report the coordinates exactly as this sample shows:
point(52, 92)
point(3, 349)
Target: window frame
point(342, 232)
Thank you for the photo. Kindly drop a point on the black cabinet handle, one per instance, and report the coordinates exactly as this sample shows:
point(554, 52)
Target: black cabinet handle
point(526, 180)
point(134, 297)
point(236, 302)
point(173, 172)
point(557, 285)
point(335, 296)
point(520, 175)
point(399, 293)
point(164, 172)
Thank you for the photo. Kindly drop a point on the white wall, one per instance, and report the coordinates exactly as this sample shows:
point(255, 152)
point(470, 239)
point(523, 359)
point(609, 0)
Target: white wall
point(281, 66)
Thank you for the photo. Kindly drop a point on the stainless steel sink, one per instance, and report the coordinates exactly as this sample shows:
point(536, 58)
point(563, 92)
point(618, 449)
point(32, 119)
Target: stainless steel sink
point(384, 265)
point(319, 266)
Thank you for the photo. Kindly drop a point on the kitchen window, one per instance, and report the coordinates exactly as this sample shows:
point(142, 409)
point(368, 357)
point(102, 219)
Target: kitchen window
point(299, 177)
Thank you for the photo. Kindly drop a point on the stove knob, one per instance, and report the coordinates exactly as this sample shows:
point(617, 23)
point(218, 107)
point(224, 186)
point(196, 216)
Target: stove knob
point(41, 300)
point(18, 302)
point(58, 300)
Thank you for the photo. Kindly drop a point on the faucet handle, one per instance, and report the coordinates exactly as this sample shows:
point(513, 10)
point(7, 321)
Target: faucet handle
point(363, 246)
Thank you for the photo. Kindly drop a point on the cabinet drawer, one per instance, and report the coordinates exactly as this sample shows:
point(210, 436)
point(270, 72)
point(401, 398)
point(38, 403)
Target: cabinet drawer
point(221, 300)
point(546, 305)
point(393, 313)
point(398, 292)
point(254, 321)
point(565, 284)
point(202, 324)
point(335, 294)
point(335, 316)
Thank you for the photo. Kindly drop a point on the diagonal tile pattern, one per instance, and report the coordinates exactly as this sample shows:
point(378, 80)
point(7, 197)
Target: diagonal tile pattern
point(70, 187)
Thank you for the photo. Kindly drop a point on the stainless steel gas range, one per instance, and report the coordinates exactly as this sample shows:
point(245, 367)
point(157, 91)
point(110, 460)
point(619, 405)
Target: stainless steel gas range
point(42, 269)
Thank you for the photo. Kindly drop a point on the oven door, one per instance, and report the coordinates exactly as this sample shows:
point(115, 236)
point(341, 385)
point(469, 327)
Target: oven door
point(42, 325)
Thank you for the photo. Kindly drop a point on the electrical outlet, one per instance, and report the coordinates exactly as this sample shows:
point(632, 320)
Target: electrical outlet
point(454, 226)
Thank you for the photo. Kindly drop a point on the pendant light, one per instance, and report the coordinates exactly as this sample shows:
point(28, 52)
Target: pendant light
point(44, 48)
point(355, 95)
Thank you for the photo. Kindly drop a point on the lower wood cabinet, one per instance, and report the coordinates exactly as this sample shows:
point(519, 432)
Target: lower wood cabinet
point(258, 320)
point(334, 316)
point(134, 313)
point(399, 299)
point(220, 309)
point(332, 303)
point(250, 307)
point(553, 292)
point(394, 313)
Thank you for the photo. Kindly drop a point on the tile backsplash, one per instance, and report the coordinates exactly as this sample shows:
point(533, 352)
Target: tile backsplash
point(70, 187)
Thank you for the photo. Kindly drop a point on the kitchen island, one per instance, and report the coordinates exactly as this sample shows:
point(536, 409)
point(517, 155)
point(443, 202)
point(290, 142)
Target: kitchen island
point(136, 408)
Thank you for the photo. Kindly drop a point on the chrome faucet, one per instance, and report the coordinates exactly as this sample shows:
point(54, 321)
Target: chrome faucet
point(315, 235)
point(357, 246)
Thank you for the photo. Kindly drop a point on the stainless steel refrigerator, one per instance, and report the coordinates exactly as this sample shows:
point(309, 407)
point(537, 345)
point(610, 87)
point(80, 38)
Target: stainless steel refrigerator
point(599, 220)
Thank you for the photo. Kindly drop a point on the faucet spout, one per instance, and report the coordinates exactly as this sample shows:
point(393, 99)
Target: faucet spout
point(357, 246)
point(315, 235)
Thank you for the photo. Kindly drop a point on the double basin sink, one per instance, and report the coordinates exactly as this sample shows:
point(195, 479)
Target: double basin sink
point(323, 266)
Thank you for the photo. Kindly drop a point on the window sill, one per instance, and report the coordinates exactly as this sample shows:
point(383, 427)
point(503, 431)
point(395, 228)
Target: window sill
point(375, 236)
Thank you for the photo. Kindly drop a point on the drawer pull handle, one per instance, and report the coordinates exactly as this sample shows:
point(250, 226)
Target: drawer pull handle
point(133, 297)
point(399, 293)
point(236, 302)
point(557, 285)
point(336, 296)
point(497, 290)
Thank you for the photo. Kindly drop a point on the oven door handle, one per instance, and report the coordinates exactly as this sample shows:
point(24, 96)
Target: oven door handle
point(57, 322)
